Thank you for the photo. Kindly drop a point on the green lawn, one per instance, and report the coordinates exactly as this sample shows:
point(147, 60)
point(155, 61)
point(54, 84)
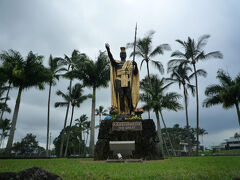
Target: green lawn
point(224, 167)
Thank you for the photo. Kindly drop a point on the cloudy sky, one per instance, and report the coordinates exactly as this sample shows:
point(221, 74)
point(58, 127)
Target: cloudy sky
point(58, 27)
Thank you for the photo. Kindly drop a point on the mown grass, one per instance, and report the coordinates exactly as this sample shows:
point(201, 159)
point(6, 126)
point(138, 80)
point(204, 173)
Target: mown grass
point(221, 167)
point(233, 151)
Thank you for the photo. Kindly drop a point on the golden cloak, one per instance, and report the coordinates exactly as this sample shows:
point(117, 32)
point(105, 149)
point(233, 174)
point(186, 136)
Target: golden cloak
point(115, 101)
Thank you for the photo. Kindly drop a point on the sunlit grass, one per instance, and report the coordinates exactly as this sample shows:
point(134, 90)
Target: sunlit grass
point(174, 168)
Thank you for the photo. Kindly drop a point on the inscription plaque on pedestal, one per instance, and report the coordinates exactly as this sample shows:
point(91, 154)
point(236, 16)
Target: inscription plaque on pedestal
point(127, 126)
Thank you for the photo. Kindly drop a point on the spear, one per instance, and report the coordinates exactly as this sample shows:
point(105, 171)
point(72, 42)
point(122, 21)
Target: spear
point(135, 38)
point(134, 49)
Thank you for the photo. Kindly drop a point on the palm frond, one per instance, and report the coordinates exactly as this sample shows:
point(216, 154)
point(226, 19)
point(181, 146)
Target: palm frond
point(202, 41)
point(178, 54)
point(199, 72)
point(214, 54)
point(60, 104)
point(158, 65)
point(210, 101)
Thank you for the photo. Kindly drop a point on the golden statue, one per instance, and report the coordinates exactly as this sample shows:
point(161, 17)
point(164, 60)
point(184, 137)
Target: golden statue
point(124, 76)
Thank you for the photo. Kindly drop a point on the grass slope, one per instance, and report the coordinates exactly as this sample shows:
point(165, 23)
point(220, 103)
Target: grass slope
point(174, 168)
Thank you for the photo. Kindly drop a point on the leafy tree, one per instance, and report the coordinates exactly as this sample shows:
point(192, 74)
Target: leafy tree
point(159, 100)
point(76, 144)
point(145, 51)
point(101, 112)
point(54, 67)
point(26, 74)
point(237, 135)
point(179, 134)
point(94, 75)
point(193, 53)
point(5, 126)
point(27, 146)
point(75, 97)
point(226, 93)
point(76, 58)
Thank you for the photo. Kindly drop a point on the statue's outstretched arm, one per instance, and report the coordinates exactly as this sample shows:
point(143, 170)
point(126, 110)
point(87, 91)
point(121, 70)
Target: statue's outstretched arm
point(110, 54)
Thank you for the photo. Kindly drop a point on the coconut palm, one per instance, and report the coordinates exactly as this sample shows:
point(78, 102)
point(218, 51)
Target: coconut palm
point(193, 53)
point(54, 67)
point(226, 93)
point(5, 126)
point(87, 129)
point(26, 74)
point(75, 97)
point(180, 74)
point(158, 101)
point(94, 75)
point(202, 132)
point(76, 58)
point(81, 122)
point(147, 53)
point(101, 112)
point(10, 60)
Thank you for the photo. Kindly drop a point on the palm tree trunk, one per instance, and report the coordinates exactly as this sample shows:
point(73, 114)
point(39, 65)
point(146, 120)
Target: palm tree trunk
point(87, 137)
point(187, 121)
point(196, 81)
point(9, 87)
point(238, 113)
point(14, 121)
point(65, 122)
point(92, 125)
point(1, 140)
point(48, 117)
point(170, 141)
point(66, 149)
point(149, 81)
point(159, 132)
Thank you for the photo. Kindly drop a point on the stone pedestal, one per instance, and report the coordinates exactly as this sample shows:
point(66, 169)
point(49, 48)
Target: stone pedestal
point(146, 140)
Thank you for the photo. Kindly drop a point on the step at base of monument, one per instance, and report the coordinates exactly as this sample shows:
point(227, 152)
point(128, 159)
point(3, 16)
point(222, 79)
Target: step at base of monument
point(123, 160)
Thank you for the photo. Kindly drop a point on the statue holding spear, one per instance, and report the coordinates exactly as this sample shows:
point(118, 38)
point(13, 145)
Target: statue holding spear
point(124, 76)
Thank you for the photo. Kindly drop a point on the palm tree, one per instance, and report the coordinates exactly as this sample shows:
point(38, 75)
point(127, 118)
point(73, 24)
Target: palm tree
point(193, 53)
point(225, 93)
point(76, 58)
point(87, 129)
point(54, 67)
point(94, 75)
point(26, 74)
point(202, 132)
point(158, 101)
point(5, 126)
point(179, 74)
point(10, 60)
point(101, 112)
point(81, 123)
point(75, 97)
point(145, 51)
